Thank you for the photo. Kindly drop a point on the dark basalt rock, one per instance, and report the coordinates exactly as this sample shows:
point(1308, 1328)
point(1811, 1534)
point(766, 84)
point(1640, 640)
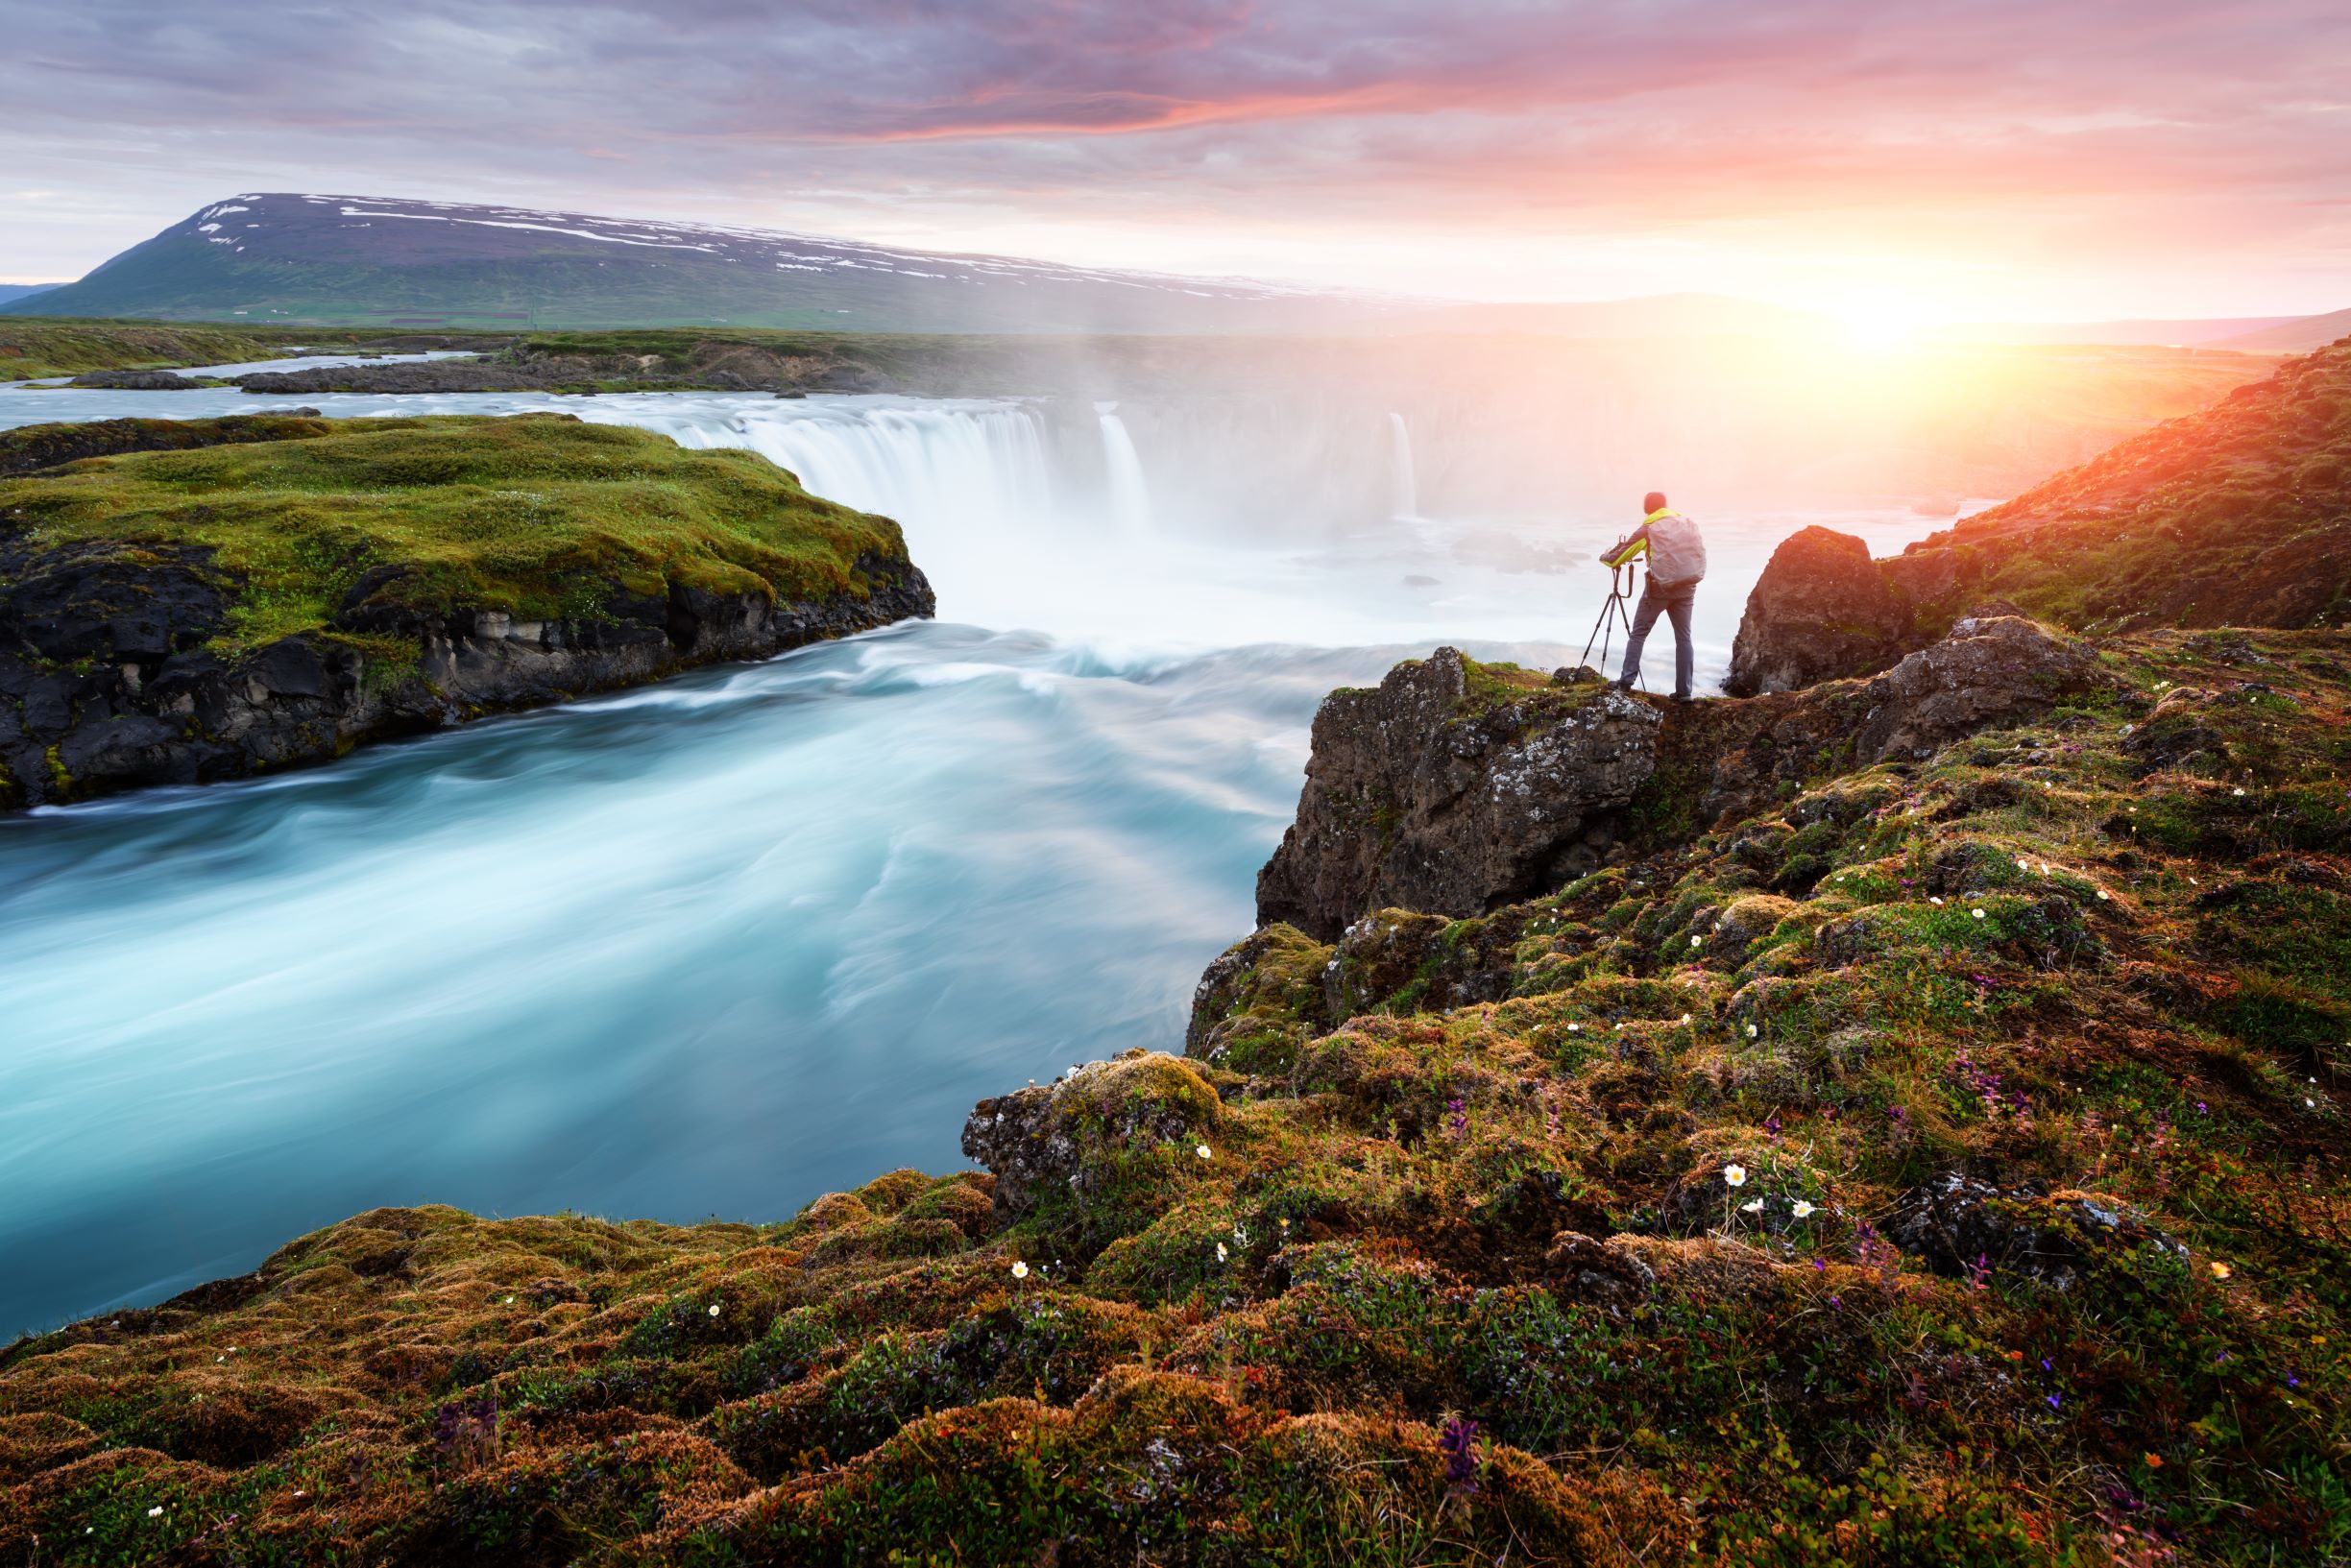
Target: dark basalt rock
point(1819, 609)
point(1423, 795)
point(1986, 671)
point(139, 700)
point(1823, 610)
point(138, 381)
point(1959, 1225)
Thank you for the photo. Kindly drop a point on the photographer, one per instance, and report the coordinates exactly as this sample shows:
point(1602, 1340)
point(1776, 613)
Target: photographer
point(1677, 561)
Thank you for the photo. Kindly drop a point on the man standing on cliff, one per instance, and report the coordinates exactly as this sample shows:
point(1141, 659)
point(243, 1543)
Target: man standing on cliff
point(1677, 560)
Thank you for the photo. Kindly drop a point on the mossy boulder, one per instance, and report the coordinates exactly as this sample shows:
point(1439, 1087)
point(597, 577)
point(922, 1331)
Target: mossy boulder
point(1104, 1149)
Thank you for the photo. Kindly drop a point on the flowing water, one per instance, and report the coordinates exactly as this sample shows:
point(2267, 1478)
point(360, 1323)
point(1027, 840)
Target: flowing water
point(718, 945)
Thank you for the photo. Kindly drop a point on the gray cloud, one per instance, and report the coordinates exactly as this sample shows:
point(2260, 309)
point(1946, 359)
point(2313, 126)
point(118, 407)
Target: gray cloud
point(2067, 136)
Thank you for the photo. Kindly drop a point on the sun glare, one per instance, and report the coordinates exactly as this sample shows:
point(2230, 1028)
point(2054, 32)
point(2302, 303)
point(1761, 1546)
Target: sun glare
point(1878, 328)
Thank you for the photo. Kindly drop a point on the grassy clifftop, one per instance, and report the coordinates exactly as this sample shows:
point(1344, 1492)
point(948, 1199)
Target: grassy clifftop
point(1942, 1164)
point(2239, 515)
point(540, 515)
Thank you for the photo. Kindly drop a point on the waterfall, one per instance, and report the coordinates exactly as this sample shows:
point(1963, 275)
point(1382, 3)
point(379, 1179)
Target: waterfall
point(964, 470)
point(1130, 499)
point(1403, 485)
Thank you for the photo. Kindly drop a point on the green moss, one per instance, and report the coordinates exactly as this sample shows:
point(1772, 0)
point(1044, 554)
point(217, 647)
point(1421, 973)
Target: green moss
point(537, 516)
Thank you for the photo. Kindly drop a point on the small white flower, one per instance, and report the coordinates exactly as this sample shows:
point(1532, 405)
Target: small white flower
point(1751, 1031)
point(714, 1309)
point(1686, 1018)
point(1697, 941)
point(510, 1301)
point(2235, 791)
point(1751, 1206)
point(2312, 1103)
point(1575, 1029)
point(156, 1512)
point(1020, 1270)
point(2104, 898)
point(1222, 1254)
point(1803, 1209)
point(1977, 913)
point(1203, 1152)
point(1735, 1176)
point(1936, 901)
point(2020, 865)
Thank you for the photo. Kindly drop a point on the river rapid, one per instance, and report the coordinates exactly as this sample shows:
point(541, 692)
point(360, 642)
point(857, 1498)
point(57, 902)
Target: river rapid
point(716, 946)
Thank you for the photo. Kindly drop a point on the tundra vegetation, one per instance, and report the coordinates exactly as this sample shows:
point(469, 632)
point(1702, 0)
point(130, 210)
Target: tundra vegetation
point(1943, 1163)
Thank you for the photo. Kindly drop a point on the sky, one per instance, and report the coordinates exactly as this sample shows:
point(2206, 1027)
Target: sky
point(1985, 159)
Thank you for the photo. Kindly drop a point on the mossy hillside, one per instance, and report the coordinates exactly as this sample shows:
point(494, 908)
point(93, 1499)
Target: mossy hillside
point(1262, 1354)
point(542, 516)
point(2238, 514)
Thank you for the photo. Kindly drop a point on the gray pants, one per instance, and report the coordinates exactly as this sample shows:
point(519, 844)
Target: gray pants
point(1674, 599)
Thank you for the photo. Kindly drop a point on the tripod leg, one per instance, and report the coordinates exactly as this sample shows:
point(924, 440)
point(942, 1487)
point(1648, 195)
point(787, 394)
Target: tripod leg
point(1598, 627)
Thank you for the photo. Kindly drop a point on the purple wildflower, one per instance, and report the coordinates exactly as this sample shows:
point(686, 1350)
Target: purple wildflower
point(1459, 1445)
point(1460, 1115)
point(2054, 1400)
point(465, 1431)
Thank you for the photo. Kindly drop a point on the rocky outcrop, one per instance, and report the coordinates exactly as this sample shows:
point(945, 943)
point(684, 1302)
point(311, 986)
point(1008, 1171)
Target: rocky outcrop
point(1452, 788)
point(1959, 1225)
point(139, 381)
point(1729, 760)
point(1824, 609)
point(106, 683)
point(33, 448)
point(1819, 609)
point(1985, 672)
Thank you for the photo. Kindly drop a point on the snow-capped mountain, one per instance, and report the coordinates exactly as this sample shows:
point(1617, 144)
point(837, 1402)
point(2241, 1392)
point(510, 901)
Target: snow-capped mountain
point(278, 256)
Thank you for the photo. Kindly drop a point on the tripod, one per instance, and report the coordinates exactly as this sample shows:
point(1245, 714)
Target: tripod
point(1613, 615)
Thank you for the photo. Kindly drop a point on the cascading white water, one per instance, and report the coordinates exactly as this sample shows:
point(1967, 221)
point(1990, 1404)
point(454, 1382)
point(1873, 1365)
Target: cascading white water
point(1131, 508)
point(1403, 485)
